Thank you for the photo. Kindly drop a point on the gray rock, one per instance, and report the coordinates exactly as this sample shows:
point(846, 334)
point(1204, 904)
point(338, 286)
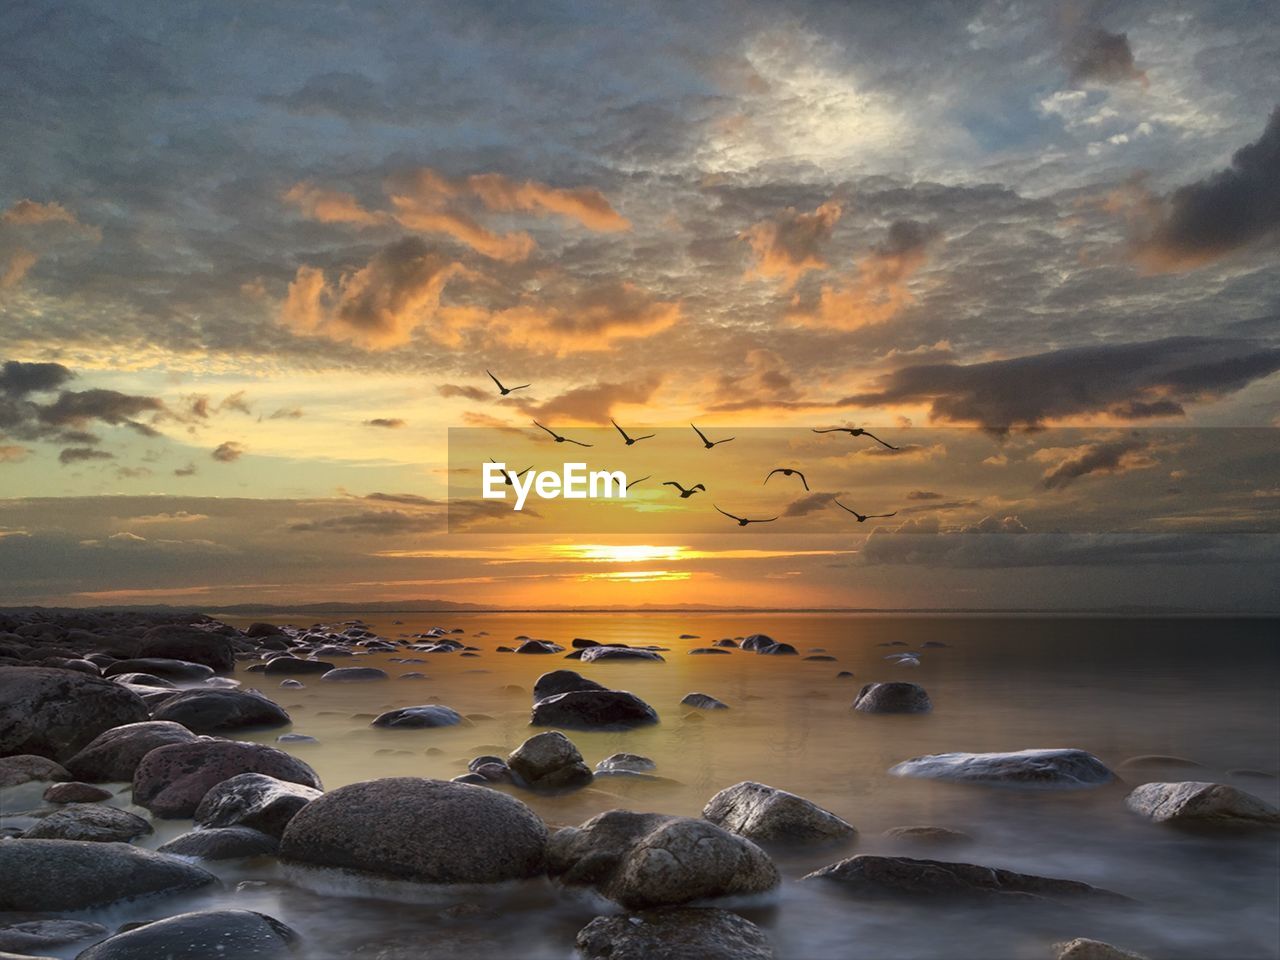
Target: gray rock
point(778, 650)
point(766, 814)
point(1054, 767)
point(1083, 949)
point(176, 642)
point(53, 713)
point(593, 710)
point(355, 675)
point(1154, 761)
point(114, 754)
point(725, 642)
point(754, 642)
point(39, 934)
point(172, 780)
point(76, 792)
point(41, 875)
point(296, 738)
point(293, 665)
point(28, 768)
point(199, 936)
point(708, 651)
point(165, 669)
point(592, 654)
point(625, 763)
point(549, 762)
point(290, 683)
point(212, 711)
point(562, 681)
point(93, 822)
point(680, 934)
point(704, 701)
point(414, 829)
point(1197, 803)
point(895, 697)
point(416, 718)
point(539, 646)
point(223, 843)
point(148, 680)
point(253, 800)
point(929, 835)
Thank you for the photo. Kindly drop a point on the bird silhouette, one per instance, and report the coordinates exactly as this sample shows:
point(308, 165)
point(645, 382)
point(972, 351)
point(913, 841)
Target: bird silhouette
point(786, 472)
point(743, 521)
point(632, 483)
point(709, 443)
point(503, 391)
point(508, 476)
point(863, 517)
point(629, 440)
point(684, 494)
point(856, 432)
point(559, 439)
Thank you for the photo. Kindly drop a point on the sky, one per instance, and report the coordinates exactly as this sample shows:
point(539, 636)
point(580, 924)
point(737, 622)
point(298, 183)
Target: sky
point(256, 259)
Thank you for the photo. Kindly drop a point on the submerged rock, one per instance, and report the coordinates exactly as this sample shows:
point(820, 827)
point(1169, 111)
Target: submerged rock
point(754, 642)
point(212, 711)
point(177, 642)
point(160, 667)
point(708, 651)
point(171, 781)
point(681, 934)
point(929, 835)
point(778, 650)
point(115, 754)
point(1155, 761)
point(1054, 767)
point(23, 938)
point(704, 701)
point(562, 681)
point(625, 763)
point(539, 646)
point(253, 800)
point(1083, 949)
point(76, 792)
point(766, 814)
point(93, 822)
point(293, 665)
point(593, 710)
point(895, 697)
point(355, 675)
point(29, 768)
point(53, 713)
point(1197, 803)
point(417, 718)
point(548, 762)
point(222, 843)
point(197, 936)
point(592, 654)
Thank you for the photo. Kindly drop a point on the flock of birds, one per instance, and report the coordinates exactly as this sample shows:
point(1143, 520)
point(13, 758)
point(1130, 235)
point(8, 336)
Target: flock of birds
point(686, 492)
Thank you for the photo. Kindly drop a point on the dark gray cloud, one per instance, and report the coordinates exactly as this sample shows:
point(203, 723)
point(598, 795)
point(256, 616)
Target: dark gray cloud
point(1112, 456)
point(81, 454)
point(372, 522)
point(390, 423)
point(459, 390)
point(228, 452)
point(18, 379)
point(811, 503)
point(1099, 55)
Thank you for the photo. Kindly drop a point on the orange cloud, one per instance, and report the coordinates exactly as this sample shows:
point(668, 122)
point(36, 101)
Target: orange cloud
point(331, 206)
point(789, 246)
point(27, 213)
point(32, 227)
point(20, 261)
point(585, 205)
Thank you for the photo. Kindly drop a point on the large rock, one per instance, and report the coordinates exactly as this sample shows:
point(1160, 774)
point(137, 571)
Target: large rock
point(562, 681)
point(254, 800)
point(212, 711)
point(681, 934)
point(354, 675)
point(28, 768)
point(171, 781)
point(173, 670)
point(416, 718)
point(1054, 767)
point(539, 647)
point(755, 642)
point(778, 650)
point(288, 666)
point(176, 642)
point(895, 697)
point(230, 934)
point(43, 875)
point(592, 654)
point(94, 822)
point(875, 877)
point(222, 843)
point(424, 830)
point(549, 762)
point(29, 935)
point(768, 815)
point(644, 860)
point(593, 710)
point(1084, 949)
point(53, 713)
point(75, 792)
point(115, 754)
point(1197, 803)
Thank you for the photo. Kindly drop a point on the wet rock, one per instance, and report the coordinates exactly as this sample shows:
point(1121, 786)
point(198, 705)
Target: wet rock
point(593, 710)
point(766, 814)
point(42, 875)
point(114, 754)
point(1155, 761)
point(53, 713)
point(1197, 803)
point(725, 642)
point(223, 843)
point(929, 835)
point(819, 656)
point(539, 646)
point(625, 763)
point(176, 642)
point(562, 681)
point(708, 651)
point(292, 684)
point(933, 643)
point(294, 665)
point(93, 822)
point(415, 829)
point(582, 643)
point(874, 877)
point(703, 701)
point(1083, 949)
point(895, 697)
point(592, 654)
point(172, 780)
point(682, 934)
point(754, 642)
point(253, 800)
point(416, 718)
point(147, 680)
point(844, 675)
point(212, 711)
point(1055, 767)
point(76, 792)
point(44, 934)
point(295, 738)
point(355, 675)
point(28, 768)
point(199, 936)
point(179, 670)
point(549, 762)
point(778, 650)
point(261, 630)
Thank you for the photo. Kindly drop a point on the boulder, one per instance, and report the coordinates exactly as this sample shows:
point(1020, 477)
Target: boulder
point(415, 829)
point(177, 642)
point(766, 814)
point(562, 681)
point(708, 651)
point(93, 822)
point(416, 718)
point(253, 800)
point(28, 768)
point(539, 646)
point(778, 650)
point(114, 754)
point(43, 875)
point(592, 654)
point(704, 701)
point(222, 843)
point(581, 643)
point(261, 630)
point(753, 643)
point(53, 713)
point(680, 934)
point(928, 836)
point(725, 642)
point(199, 936)
point(212, 711)
point(1197, 803)
point(1051, 768)
point(32, 935)
point(285, 666)
point(895, 697)
point(76, 792)
point(180, 670)
point(172, 780)
point(625, 763)
point(146, 680)
point(593, 710)
point(1083, 949)
point(354, 675)
point(548, 762)
point(643, 860)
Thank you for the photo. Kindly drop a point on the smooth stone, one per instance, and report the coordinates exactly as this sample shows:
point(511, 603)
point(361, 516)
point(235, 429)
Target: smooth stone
point(1085, 949)
point(625, 763)
point(933, 643)
point(114, 755)
point(292, 684)
point(232, 934)
point(844, 675)
point(593, 710)
point(933, 836)
point(708, 651)
point(417, 718)
point(262, 630)
point(92, 822)
point(147, 680)
point(819, 656)
point(1054, 767)
point(704, 701)
point(253, 800)
point(355, 675)
point(29, 768)
point(562, 681)
point(778, 650)
point(222, 843)
point(1197, 803)
point(754, 642)
point(165, 669)
point(295, 665)
point(592, 654)
point(1155, 761)
point(539, 646)
point(76, 792)
point(177, 642)
point(54, 713)
point(549, 762)
point(295, 738)
point(725, 642)
point(582, 643)
point(766, 814)
point(895, 697)
point(22, 938)
point(681, 934)
point(213, 711)
point(42, 875)
point(172, 780)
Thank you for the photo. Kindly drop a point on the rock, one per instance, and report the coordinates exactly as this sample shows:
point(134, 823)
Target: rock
point(754, 642)
point(708, 651)
point(176, 642)
point(562, 681)
point(172, 780)
point(933, 836)
point(593, 710)
point(53, 713)
point(414, 829)
point(295, 738)
point(1055, 767)
point(625, 763)
point(592, 654)
point(165, 669)
point(778, 650)
point(94, 822)
point(933, 643)
point(766, 814)
point(27, 768)
point(43, 875)
point(1154, 761)
point(549, 762)
point(39, 934)
point(260, 630)
point(875, 877)
point(725, 642)
point(293, 665)
point(1082, 949)
point(253, 800)
point(895, 697)
point(703, 702)
point(1197, 803)
point(539, 646)
point(114, 755)
point(146, 680)
point(642, 860)
point(681, 934)
point(223, 843)
point(820, 657)
point(76, 792)
point(290, 683)
point(355, 675)
point(844, 675)
point(416, 718)
point(212, 711)
point(200, 936)
point(581, 643)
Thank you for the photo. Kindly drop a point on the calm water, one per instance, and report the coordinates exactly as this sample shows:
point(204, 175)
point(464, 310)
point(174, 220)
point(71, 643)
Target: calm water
point(1198, 688)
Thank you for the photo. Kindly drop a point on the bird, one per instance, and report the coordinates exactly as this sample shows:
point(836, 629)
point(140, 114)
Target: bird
point(856, 432)
point(863, 517)
point(684, 494)
point(629, 440)
point(503, 391)
point(709, 443)
point(508, 477)
point(743, 521)
point(632, 483)
point(786, 472)
point(560, 439)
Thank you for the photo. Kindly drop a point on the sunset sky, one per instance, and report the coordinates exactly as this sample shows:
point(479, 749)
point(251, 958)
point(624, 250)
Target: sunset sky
point(255, 260)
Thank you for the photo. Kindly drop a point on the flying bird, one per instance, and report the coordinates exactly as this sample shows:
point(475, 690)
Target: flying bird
point(709, 443)
point(632, 483)
point(743, 521)
point(684, 494)
point(560, 439)
point(856, 432)
point(863, 517)
point(503, 391)
point(629, 440)
point(786, 472)
point(508, 476)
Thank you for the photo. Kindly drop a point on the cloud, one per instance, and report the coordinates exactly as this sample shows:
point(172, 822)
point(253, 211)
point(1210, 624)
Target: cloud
point(457, 390)
point(176, 516)
point(11, 453)
point(26, 213)
point(586, 206)
point(331, 206)
point(923, 495)
point(81, 454)
point(790, 244)
point(286, 413)
point(109, 406)
point(29, 230)
point(594, 403)
point(810, 503)
point(902, 451)
point(1095, 54)
point(228, 452)
point(391, 423)
point(1109, 457)
point(372, 523)
point(188, 471)
point(18, 378)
